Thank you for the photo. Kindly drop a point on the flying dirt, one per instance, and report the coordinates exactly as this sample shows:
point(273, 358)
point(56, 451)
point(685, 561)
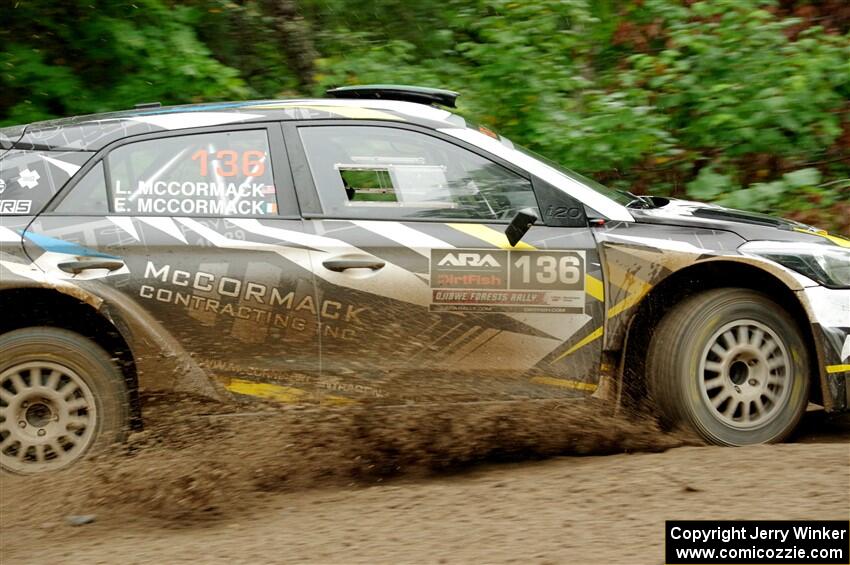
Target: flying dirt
point(527, 482)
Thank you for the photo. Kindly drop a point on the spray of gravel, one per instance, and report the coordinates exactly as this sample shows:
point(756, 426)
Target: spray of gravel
point(201, 461)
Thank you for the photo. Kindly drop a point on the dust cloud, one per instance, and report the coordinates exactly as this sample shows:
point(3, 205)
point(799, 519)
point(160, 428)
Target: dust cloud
point(195, 460)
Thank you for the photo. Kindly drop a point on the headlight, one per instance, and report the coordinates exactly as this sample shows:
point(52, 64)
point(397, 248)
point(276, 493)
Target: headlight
point(827, 264)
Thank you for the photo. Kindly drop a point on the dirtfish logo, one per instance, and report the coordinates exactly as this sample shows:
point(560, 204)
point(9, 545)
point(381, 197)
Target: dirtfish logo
point(469, 260)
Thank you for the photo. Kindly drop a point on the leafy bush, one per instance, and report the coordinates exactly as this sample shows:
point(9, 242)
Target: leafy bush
point(743, 102)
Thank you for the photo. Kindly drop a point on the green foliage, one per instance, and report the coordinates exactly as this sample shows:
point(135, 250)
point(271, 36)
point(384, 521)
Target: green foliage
point(726, 100)
point(652, 96)
point(709, 185)
point(801, 191)
point(733, 84)
point(78, 56)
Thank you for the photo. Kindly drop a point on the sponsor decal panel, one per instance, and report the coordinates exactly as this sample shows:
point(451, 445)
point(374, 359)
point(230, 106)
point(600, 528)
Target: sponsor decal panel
point(196, 198)
point(507, 281)
point(261, 304)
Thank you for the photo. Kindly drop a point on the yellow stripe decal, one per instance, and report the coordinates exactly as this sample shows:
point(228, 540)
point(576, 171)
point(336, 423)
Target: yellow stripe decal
point(345, 111)
point(491, 236)
point(635, 287)
point(594, 288)
point(564, 383)
point(633, 298)
point(266, 390)
point(836, 239)
point(838, 369)
point(281, 393)
point(597, 333)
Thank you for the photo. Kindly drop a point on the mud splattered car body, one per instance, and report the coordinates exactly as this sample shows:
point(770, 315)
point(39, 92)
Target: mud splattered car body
point(339, 250)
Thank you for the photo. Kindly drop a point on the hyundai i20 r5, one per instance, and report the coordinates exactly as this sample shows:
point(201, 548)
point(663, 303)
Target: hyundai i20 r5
point(373, 248)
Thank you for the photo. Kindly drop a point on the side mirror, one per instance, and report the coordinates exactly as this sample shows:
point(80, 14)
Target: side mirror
point(518, 227)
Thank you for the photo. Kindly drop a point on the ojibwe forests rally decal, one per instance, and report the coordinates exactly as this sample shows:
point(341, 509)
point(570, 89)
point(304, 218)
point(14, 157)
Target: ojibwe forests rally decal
point(479, 280)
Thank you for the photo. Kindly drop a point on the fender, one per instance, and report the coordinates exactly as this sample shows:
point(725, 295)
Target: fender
point(726, 270)
point(161, 362)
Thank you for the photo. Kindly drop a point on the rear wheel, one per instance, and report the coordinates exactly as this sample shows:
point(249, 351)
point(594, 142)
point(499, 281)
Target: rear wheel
point(731, 364)
point(61, 398)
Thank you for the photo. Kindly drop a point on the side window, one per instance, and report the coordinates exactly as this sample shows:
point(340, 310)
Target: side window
point(88, 196)
point(381, 172)
point(29, 179)
point(209, 174)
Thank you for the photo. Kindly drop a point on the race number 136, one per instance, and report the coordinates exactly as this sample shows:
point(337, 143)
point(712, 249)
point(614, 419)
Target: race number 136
point(229, 163)
point(547, 270)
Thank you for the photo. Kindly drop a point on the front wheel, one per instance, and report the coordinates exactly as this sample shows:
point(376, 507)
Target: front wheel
point(61, 398)
point(730, 363)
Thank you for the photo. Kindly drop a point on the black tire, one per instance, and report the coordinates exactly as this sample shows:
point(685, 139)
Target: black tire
point(693, 365)
point(62, 398)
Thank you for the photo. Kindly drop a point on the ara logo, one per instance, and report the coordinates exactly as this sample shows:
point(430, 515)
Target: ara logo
point(465, 259)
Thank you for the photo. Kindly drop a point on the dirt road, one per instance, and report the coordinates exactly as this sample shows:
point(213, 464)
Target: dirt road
point(329, 501)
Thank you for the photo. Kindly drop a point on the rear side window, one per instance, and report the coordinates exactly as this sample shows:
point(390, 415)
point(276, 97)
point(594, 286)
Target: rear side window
point(210, 174)
point(30, 179)
point(88, 196)
point(381, 172)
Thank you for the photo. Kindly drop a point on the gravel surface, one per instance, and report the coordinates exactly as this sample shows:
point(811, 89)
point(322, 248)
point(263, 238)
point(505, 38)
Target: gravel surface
point(536, 483)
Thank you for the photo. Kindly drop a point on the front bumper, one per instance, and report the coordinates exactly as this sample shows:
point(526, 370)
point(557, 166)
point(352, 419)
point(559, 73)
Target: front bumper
point(829, 315)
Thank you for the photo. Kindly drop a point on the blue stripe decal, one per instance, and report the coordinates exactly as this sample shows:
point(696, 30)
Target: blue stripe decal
point(201, 108)
point(59, 246)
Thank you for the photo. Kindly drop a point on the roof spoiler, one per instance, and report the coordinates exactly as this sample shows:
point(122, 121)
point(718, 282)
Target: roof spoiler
point(418, 94)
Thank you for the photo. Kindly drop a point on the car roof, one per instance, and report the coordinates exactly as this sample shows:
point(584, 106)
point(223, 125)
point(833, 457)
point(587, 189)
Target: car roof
point(94, 131)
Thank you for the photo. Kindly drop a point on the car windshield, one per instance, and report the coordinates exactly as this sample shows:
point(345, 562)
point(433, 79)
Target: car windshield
point(619, 196)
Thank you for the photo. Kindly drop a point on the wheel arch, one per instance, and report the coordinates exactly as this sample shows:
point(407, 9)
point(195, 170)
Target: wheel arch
point(27, 307)
point(699, 277)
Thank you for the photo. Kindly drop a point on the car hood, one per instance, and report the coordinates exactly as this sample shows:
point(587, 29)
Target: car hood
point(748, 225)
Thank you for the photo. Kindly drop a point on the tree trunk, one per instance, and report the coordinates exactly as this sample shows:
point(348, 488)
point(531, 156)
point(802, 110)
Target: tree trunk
point(295, 39)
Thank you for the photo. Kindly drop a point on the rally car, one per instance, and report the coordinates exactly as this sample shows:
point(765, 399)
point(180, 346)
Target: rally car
point(373, 247)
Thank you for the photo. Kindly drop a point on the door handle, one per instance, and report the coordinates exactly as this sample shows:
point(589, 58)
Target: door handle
point(340, 265)
point(77, 267)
